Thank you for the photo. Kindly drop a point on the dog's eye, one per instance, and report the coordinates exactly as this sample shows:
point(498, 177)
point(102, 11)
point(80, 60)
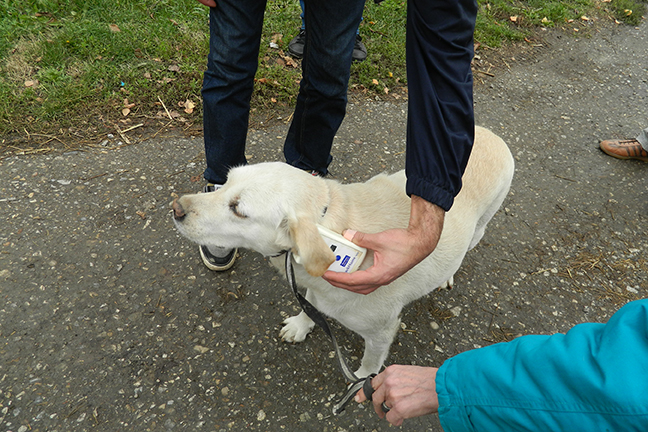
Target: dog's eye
point(233, 205)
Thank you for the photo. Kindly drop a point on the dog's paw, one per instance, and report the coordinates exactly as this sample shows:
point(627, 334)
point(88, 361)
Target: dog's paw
point(296, 328)
point(365, 372)
point(447, 285)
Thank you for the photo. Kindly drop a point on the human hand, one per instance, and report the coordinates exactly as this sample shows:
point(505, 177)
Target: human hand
point(395, 250)
point(210, 3)
point(409, 391)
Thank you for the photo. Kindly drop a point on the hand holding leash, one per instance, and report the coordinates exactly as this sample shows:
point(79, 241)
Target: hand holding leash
point(401, 392)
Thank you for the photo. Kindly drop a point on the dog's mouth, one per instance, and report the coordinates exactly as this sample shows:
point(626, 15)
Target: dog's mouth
point(278, 254)
point(178, 212)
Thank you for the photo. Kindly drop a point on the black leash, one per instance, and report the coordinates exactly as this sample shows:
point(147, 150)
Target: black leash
point(320, 320)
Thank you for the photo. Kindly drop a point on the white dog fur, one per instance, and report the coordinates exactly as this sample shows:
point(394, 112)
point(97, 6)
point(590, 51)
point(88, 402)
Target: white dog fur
point(273, 207)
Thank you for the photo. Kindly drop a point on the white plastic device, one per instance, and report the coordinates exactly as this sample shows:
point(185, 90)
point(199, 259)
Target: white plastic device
point(348, 256)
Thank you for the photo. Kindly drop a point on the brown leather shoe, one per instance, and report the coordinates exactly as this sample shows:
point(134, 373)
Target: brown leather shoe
point(624, 149)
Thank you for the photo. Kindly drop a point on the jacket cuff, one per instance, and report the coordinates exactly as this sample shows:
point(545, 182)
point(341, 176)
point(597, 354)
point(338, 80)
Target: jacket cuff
point(429, 192)
point(452, 415)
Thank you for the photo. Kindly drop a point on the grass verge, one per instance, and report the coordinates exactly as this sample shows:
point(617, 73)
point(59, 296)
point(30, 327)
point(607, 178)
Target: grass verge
point(70, 70)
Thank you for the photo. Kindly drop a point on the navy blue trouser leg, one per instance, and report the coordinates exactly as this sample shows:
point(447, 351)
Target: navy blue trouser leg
point(331, 28)
point(234, 39)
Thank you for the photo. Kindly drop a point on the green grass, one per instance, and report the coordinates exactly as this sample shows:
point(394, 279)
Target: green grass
point(73, 63)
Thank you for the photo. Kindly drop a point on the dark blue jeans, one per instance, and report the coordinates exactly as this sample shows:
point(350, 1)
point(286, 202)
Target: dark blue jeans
point(235, 34)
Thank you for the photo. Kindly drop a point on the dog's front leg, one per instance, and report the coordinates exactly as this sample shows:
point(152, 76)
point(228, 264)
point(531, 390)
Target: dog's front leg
point(377, 345)
point(297, 327)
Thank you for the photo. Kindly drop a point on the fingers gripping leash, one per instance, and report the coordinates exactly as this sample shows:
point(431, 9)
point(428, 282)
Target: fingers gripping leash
point(368, 390)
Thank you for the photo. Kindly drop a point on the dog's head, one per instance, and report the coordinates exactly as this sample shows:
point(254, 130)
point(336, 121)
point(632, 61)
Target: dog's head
point(267, 207)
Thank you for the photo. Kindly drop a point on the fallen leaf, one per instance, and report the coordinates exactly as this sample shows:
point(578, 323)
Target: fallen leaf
point(31, 83)
point(273, 100)
point(386, 90)
point(174, 68)
point(114, 28)
point(545, 20)
point(289, 61)
point(374, 81)
point(584, 18)
point(513, 18)
point(280, 62)
point(125, 111)
point(628, 12)
point(141, 214)
point(189, 106)
point(147, 75)
point(127, 104)
point(276, 37)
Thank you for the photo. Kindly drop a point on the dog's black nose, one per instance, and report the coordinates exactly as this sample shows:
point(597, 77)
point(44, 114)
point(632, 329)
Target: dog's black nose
point(178, 211)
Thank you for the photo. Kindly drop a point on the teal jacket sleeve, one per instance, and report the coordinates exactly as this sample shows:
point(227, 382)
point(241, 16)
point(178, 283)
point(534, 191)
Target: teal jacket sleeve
point(594, 378)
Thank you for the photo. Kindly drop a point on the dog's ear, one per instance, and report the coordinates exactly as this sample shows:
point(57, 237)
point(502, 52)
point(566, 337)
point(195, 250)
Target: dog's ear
point(314, 254)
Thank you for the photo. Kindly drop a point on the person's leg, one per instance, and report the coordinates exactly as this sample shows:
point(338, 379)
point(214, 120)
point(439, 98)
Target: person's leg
point(301, 15)
point(296, 45)
point(234, 39)
point(322, 98)
point(643, 139)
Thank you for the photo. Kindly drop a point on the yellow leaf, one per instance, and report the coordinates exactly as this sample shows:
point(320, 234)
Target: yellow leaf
point(513, 18)
point(189, 106)
point(375, 81)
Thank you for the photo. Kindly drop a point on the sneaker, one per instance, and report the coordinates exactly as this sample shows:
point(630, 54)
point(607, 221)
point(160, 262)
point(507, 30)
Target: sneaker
point(296, 46)
point(359, 50)
point(214, 257)
point(625, 149)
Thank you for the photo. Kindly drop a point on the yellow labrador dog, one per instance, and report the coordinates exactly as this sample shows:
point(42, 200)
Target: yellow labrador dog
point(274, 207)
